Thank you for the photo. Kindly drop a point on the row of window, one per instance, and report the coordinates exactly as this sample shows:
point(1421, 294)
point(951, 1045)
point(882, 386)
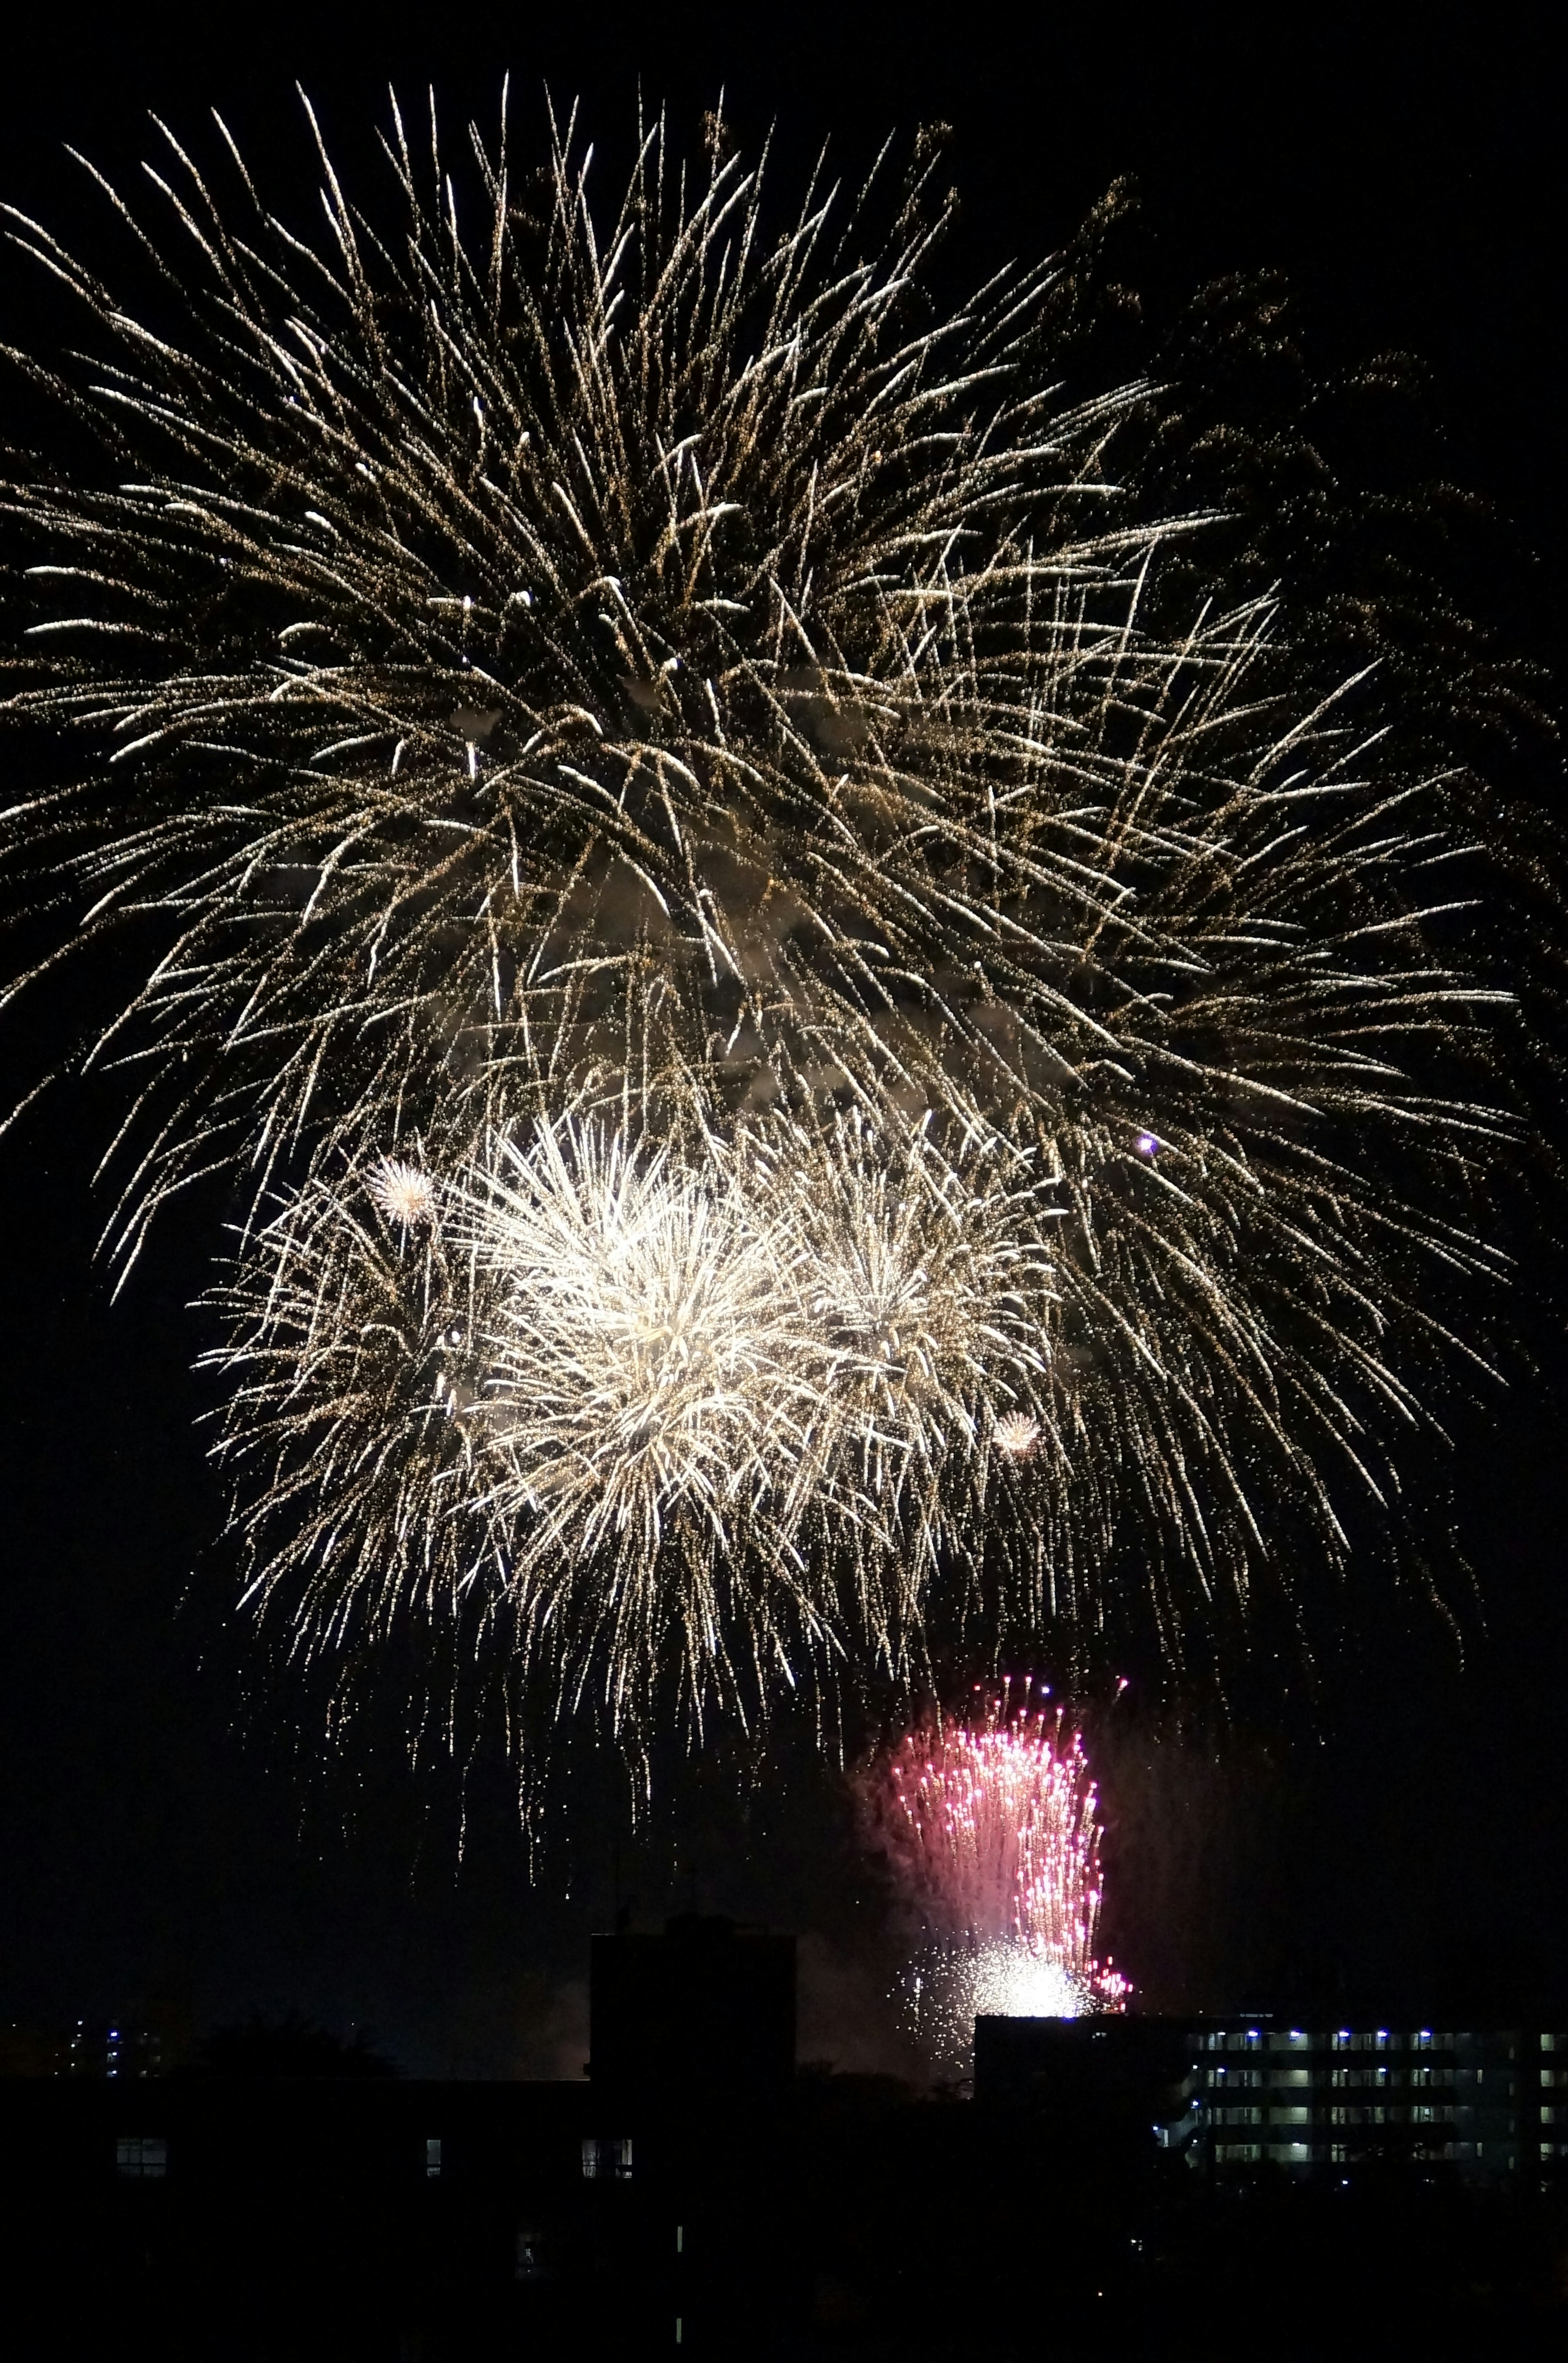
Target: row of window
point(1249, 2152)
point(1498, 2156)
point(1225, 2078)
point(1297, 2153)
point(1253, 2038)
point(1420, 2113)
point(1344, 2039)
point(144, 2157)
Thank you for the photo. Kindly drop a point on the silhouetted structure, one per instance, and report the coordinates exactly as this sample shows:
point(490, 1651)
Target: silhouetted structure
point(1120, 2087)
point(706, 2010)
point(695, 2194)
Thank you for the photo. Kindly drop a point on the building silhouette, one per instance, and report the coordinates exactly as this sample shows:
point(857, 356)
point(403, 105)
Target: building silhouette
point(696, 2193)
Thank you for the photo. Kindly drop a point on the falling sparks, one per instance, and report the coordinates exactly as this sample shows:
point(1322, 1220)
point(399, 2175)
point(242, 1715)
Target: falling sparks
point(989, 1826)
point(685, 850)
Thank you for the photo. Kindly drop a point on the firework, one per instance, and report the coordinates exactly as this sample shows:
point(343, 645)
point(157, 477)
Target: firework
point(990, 1828)
point(664, 678)
point(404, 1193)
point(708, 1417)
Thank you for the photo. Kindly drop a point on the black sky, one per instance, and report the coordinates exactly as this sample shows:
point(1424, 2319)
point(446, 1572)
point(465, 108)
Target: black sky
point(1402, 168)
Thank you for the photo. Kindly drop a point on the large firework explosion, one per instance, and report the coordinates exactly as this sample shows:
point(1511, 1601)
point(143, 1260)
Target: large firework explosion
point(990, 1826)
point(795, 1064)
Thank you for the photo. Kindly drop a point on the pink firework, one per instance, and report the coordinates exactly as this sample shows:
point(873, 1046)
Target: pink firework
point(990, 1826)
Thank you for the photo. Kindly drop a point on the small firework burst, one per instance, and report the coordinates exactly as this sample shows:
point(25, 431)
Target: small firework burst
point(404, 1193)
point(1016, 1434)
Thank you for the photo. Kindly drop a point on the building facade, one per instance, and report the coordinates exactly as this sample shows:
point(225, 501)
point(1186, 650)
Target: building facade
point(1308, 2098)
point(1257, 2090)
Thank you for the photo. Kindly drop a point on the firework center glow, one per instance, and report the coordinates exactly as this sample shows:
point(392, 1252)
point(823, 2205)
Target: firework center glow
point(1007, 1979)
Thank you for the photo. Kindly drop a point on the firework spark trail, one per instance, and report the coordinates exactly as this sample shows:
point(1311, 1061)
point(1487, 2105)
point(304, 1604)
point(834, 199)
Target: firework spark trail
point(990, 1828)
point(671, 677)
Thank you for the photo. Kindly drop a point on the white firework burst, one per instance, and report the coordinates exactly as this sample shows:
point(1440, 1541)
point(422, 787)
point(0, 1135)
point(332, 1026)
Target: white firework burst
point(404, 1193)
point(678, 1422)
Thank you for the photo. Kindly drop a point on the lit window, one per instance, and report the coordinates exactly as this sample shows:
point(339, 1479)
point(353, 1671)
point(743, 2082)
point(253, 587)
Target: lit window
point(142, 2157)
point(432, 2158)
point(607, 2161)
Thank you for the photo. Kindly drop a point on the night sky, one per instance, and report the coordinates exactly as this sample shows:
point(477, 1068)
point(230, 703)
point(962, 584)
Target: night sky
point(1399, 1841)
